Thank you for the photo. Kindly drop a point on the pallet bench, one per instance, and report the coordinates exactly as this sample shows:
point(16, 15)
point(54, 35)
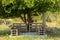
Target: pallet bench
point(17, 28)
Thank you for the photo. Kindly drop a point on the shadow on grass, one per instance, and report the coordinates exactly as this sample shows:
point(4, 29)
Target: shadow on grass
point(56, 34)
point(4, 32)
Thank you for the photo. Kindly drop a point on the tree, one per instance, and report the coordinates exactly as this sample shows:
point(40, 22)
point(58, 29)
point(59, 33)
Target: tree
point(16, 8)
point(46, 5)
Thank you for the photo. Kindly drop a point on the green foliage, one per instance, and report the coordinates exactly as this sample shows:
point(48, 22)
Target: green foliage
point(14, 8)
point(43, 6)
point(29, 3)
point(7, 2)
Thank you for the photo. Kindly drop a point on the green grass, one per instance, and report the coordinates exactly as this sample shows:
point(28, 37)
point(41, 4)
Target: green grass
point(49, 36)
point(55, 36)
point(27, 38)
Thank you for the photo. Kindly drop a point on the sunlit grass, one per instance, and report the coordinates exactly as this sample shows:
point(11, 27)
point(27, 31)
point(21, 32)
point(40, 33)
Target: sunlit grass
point(3, 27)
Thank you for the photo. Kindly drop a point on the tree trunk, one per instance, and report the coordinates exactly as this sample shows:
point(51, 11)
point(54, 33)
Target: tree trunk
point(29, 20)
point(25, 18)
point(44, 20)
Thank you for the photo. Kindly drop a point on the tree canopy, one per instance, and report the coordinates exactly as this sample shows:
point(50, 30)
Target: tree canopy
point(14, 8)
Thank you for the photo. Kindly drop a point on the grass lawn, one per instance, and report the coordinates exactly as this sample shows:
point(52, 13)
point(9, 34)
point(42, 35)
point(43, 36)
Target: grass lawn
point(28, 38)
point(33, 36)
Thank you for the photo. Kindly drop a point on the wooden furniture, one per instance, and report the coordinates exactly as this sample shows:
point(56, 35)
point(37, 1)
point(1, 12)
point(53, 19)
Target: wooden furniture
point(14, 32)
point(41, 31)
point(17, 28)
